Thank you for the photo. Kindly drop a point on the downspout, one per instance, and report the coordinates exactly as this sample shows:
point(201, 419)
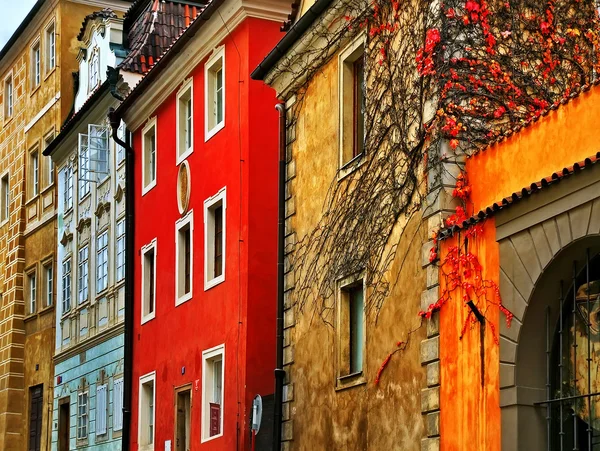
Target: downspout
point(279, 371)
point(129, 276)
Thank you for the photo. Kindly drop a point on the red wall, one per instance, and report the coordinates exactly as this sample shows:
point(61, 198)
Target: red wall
point(241, 311)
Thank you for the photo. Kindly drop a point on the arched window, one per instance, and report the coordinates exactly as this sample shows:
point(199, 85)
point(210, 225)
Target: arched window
point(94, 70)
point(573, 360)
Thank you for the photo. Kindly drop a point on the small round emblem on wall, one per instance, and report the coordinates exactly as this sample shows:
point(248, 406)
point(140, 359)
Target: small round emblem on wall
point(183, 187)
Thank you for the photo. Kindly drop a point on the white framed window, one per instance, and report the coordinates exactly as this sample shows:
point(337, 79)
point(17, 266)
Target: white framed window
point(149, 281)
point(83, 274)
point(213, 385)
point(94, 70)
point(49, 281)
point(146, 413)
point(8, 97)
point(68, 188)
point(66, 285)
point(185, 120)
point(118, 404)
point(120, 251)
point(102, 262)
point(149, 156)
point(34, 172)
point(4, 198)
point(84, 166)
point(352, 101)
point(82, 415)
point(214, 93)
point(184, 258)
point(36, 66)
point(101, 409)
point(49, 163)
point(215, 209)
point(50, 47)
point(121, 132)
point(32, 291)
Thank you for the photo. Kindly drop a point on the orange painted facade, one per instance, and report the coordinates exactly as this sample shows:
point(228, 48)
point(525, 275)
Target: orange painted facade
point(469, 397)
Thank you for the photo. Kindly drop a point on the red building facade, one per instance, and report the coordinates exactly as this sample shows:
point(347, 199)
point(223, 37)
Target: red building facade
point(205, 182)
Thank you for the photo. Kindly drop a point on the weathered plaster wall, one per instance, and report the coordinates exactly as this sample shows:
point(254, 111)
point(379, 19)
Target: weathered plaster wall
point(366, 416)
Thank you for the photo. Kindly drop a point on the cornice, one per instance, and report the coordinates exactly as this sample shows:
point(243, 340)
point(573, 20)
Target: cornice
point(232, 13)
point(90, 343)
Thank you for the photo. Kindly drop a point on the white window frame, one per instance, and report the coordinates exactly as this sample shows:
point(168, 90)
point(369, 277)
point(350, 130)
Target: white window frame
point(144, 380)
point(36, 63)
point(148, 185)
point(67, 276)
point(94, 70)
point(32, 290)
point(208, 356)
point(34, 157)
point(79, 427)
point(68, 188)
point(50, 168)
point(102, 261)
point(145, 249)
point(4, 198)
point(118, 404)
point(101, 409)
point(120, 150)
point(348, 57)
point(185, 93)
point(209, 203)
point(187, 220)
point(211, 126)
point(83, 274)
point(120, 250)
point(49, 283)
point(9, 100)
point(50, 47)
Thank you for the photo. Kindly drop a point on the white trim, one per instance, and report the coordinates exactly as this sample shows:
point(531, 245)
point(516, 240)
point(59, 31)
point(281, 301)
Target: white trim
point(188, 219)
point(143, 380)
point(208, 203)
point(145, 249)
point(37, 42)
point(210, 354)
point(50, 24)
point(188, 86)
point(152, 123)
point(217, 56)
point(5, 115)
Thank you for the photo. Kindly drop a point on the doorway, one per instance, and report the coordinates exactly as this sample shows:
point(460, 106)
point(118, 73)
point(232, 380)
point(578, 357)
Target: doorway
point(63, 424)
point(183, 407)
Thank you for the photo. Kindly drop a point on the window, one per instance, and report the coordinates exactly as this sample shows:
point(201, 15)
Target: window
point(146, 412)
point(148, 281)
point(182, 418)
point(82, 415)
point(4, 198)
point(50, 164)
point(50, 48)
point(120, 250)
point(185, 131)
point(34, 173)
point(352, 102)
point(118, 404)
point(36, 404)
point(149, 157)
point(212, 392)
point(102, 262)
point(32, 287)
point(214, 239)
point(35, 65)
point(66, 285)
point(49, 280)
point(93, 157)
point(83, 276)
point(68, 188)
point(94, 70)
point(214, 75)
point(120, 150)
point(101, 409)
point(350, 334)
point(8, 97)
point(84, 166)
point(184, 243)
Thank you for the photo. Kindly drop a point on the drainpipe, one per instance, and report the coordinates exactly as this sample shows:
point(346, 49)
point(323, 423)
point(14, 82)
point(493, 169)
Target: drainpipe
point(279, 371)
point(129, 257)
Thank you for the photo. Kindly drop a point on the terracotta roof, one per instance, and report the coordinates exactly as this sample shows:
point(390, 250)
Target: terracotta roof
point(519, 195)
point(106, 13)
point(152, 28)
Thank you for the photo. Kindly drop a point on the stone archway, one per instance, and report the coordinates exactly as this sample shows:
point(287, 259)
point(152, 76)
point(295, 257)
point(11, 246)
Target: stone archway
point(539, 239)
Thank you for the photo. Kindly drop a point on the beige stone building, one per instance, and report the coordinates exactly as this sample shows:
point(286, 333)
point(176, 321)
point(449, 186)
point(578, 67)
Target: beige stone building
point(36, 92)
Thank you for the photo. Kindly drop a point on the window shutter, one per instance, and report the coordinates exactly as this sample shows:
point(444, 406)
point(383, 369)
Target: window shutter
point(101, 410)
point(118, 405)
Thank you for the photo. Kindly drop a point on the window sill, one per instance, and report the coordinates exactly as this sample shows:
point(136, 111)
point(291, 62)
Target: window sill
point(30, 317)
point(32, 200)
point(208, 439)
point(68, 211)
point(183, 299)
point(181, 158)
point(3, 223)
point(47, 309)
point(64, 315)
point(149, 317)
point(213, 131)
point(351, 166)
point(50, 72)
point(35, 89)
point(85, 196)
point(350, 381)
point(208, 284)
point(148, 187)
point(10, 118)
point(47, 188)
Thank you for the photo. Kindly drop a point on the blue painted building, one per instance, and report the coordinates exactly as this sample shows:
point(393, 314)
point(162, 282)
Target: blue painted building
point(89, 367)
